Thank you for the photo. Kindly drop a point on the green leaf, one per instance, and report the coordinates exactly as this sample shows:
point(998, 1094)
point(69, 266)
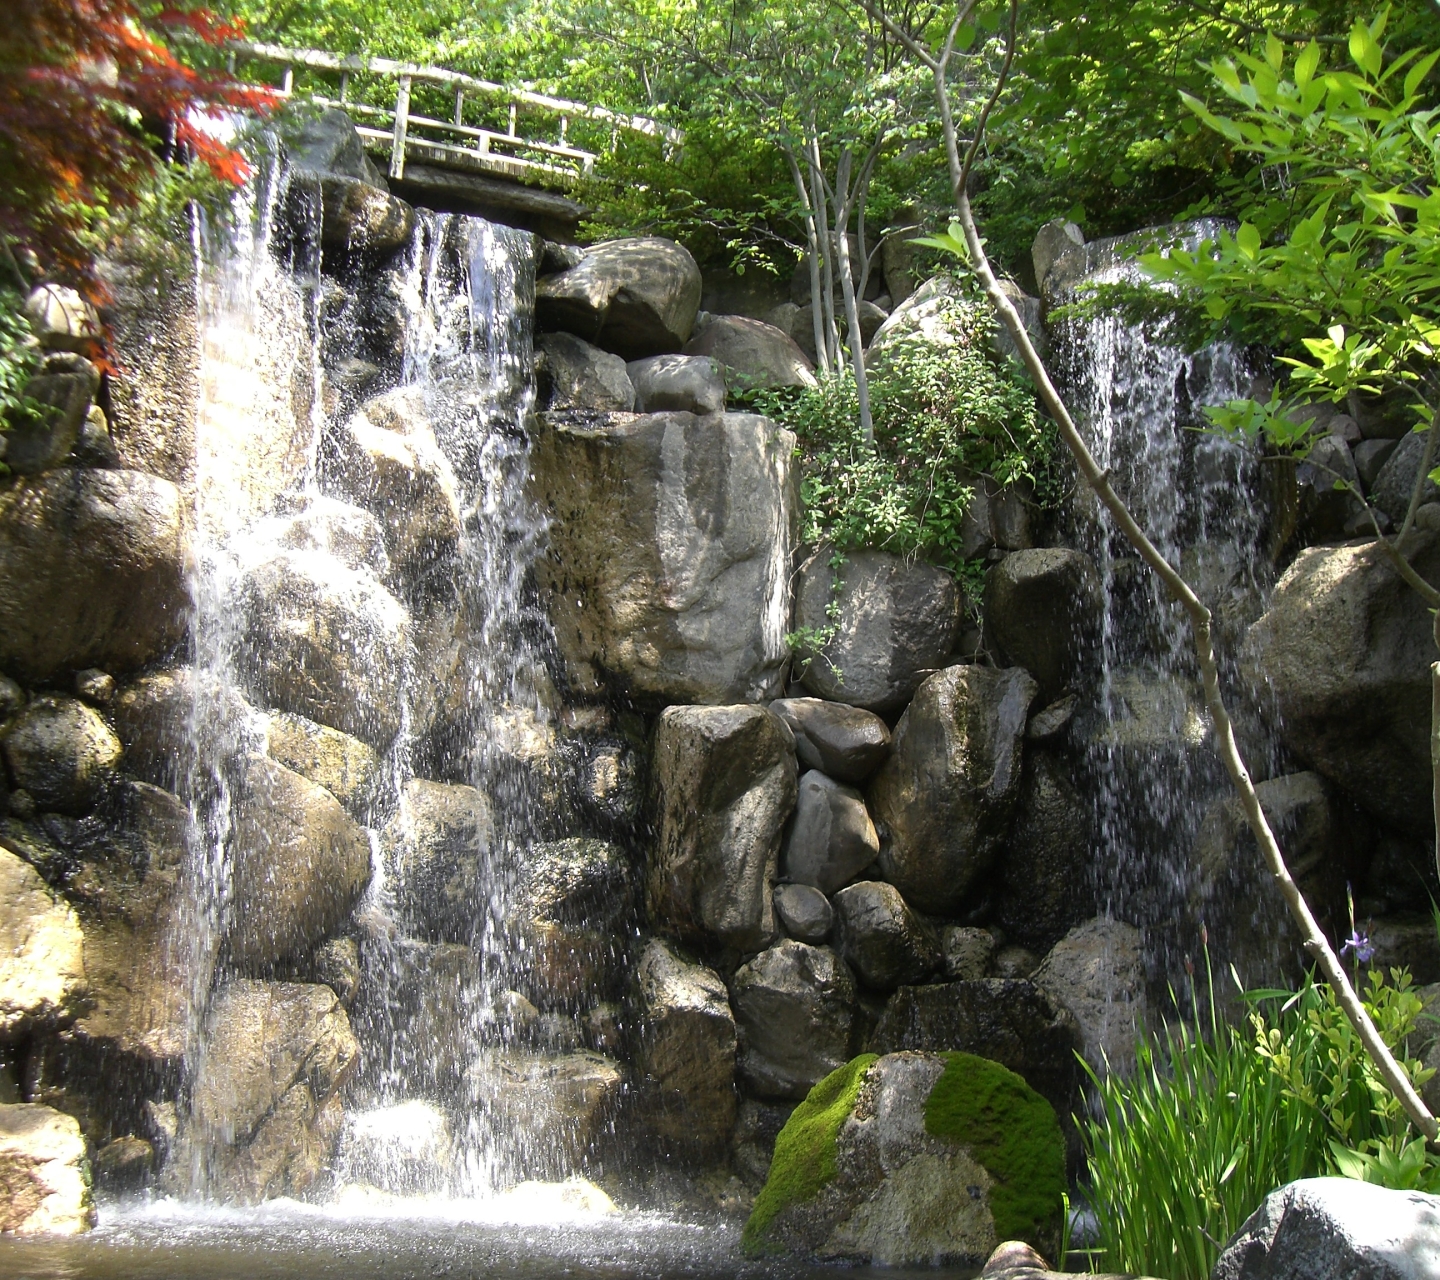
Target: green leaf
point(1364, 49)
point(1419, 71)
point(1248, 240)
point(1305, 64)
point(1274, 53)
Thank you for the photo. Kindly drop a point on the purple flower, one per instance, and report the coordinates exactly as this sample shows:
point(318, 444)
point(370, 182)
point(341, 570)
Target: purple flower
point(1359, 945)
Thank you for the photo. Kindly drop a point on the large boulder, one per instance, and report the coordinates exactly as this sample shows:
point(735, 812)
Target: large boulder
point(1042, 613)
point(299, 864)
point(437, 848)
point(328, 142)
point(1334, 1229)
point(1343, 656)
point(44, 1175)
point(913, 1160)
point(1395, 481)
point(938, 314)
point(670, 536)
point(1096, 972)
point(848, 743)
point(159, 715)
point(685, 1050)
point(1008, 1020)
point(692, 384)
point(634, 297)
point(346, 767)
point(92, 572)
point(831, 839)
point(354, 213)
point(63, 392)
point(754, 355)
point(895, 623)
point(351, 534)
point(881, 938)
point(61, 319)
point(265, 1112)
point(325, 642)
point(575, 375)
point(42, 964)
point(804, 912)
point(947, 793)
point(62, 752)
point(794, 1007)
point(725, 784)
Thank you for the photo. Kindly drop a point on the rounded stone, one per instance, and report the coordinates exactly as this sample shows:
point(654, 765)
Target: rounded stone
point(62, 752)
point(805, 912)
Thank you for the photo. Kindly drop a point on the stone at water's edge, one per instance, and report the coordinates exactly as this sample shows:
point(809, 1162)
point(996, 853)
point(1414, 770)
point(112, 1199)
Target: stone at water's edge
point(92, 572)
point(42, 971)
point(1336, 1229)
point(690, 384)
point(948, 791)
point(832, 839)
point(44, 1176)
point(346, 767)
point(881, 938)
point(1096, 972)
point(724, 786)
point(1042, 612)
point(574, 375)
point(62, 752)
point(437, 842)
point(670, 543)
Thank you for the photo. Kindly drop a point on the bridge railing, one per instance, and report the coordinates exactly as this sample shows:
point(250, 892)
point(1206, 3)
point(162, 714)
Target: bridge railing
point(491, 128)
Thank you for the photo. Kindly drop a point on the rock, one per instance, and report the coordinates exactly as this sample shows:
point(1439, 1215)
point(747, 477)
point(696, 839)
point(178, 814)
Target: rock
point(1009, 512)
point(896, 623)
point(1396, 479)
point(346, 767)
point(947, 793)
point(881, 938)
point(12, 698)
point(1014, 962)
point(1370, 456)
point(691, 384)
point(800, 284)
point(95, 686)
point(1329, 1228)
point(65, 389)
point(794, 1005)
point(44, 1173)
point(61, 319)
point(125, 1164)
point(725, 784)
point(438, 845)
point(938, 314)
point(156, 718)
point(685, 1050)
point(354, 214)
point(1042, 612)
point(1052, 242)
point(42, 968)
point(670, 537)
point(62, 752)
point(755, 355)
point(757, 1125)
point(848, 743)
point(897, 262)
point(580, 376)
point(1326, 512)
point(966, 952)
point(336, 963)
point(635, 297)
point(1234, 893)
point(1031, 312)
point(299, 864)
point(1044, 867)
point(92, 572)
point(831, 838)
point(1008, 1020)
point(804, 912)
point(348, 533)
point(912, 1160)
point(327, 643)
point(1407, 942)
point(264, 1105)
point(871, 318)
point(94, 446)
point(328, 142)
point(1096, 973)
point(427, 1003)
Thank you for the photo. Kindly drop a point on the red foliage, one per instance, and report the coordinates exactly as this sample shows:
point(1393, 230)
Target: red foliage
point(85, 87)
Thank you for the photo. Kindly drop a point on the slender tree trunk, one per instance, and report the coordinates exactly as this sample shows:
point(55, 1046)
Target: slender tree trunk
point(812, 239)
point(847, 286)
point(822, 212)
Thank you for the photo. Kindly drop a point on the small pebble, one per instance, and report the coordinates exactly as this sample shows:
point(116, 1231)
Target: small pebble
point(95, 686)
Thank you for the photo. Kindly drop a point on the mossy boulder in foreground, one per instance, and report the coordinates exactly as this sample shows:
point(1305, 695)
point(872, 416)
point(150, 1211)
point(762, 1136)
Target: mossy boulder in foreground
point(913, 1158)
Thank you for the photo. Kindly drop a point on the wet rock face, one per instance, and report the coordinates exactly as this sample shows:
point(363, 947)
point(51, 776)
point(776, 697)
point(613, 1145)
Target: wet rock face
point(155, 715)
point(65, 387)
point(847, 743)
point(346, 767)
point(1344, 651)
point(1096, 973)
point(688, 384)
point(575, 375)
point(896, 624)
point(62, 752)
point(881, 938)
point(42, 968)
point(92, 572)
point(299, 866)
point(670, 536)
point(635, 297)
point(685, 1050)
point(1042, 612)
point(754, 355)
point(832, 839)
point(725, 784)
point(794, 1007)
point(44, 1173)
point(439, 842)
point(947, 793)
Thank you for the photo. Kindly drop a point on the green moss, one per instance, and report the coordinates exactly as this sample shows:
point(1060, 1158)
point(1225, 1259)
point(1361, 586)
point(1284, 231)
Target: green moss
point(804, 1159)
point(1012, 1131)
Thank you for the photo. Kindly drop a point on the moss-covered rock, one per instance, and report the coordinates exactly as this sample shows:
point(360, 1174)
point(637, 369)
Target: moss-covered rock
point(913, 1158)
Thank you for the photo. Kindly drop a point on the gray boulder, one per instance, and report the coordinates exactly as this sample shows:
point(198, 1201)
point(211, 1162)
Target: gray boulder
point(885, 942)
point(848, 743)
point(804, 912)
point(354, 213)
point(299, 864)
point(896, 624)
point(61, 319)
point(92, 572)
point(438, 844)
point(690, 384)
point(579, 376)
point(1344, 654)
point(1042, 612)
point(967, 952)
point(1335, 1229)
point(64, 389)
point(937, 315)
point(1396, 479)
point(685, 1050)
point(754, 355)
point(634, 297)
point(42, 964)
point(1052, 242)
point(328, 142)
point(44, 1172)
point(670, 541)
point(947, 793)
point(1325, 512)
point(62, 752)
point(1370, 456)
point(1097, 974)
point(794, 1005)
point(831, 839)
point(725, 784)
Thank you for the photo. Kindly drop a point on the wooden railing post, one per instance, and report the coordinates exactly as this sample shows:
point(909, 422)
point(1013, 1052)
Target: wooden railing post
point(512, 120)
point(402, 127)
point(459, 106)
